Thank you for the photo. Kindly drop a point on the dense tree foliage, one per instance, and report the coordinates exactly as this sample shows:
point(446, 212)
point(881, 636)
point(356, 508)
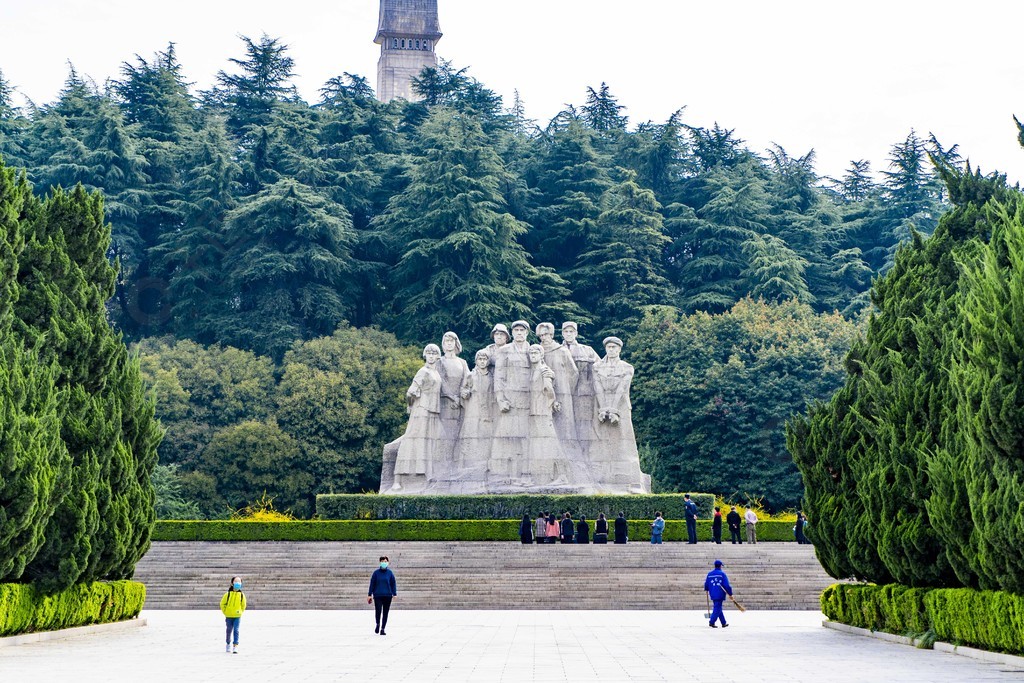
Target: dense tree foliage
point(910, 468)
point(315, 422)
point(716, 390)
point(79, 436)
point(246, 220)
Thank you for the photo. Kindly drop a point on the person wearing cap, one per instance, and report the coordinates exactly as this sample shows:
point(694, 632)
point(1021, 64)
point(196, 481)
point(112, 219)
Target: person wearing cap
point(716, 585)
point(613, 456)
point(583, 391)
point(500, 336)
point(512, 377)
point(558, 358)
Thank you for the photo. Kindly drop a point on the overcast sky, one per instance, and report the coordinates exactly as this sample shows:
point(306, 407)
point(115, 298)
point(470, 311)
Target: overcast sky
point(847, 79)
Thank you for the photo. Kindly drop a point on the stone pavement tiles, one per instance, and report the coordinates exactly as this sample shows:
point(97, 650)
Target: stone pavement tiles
point(469, 645)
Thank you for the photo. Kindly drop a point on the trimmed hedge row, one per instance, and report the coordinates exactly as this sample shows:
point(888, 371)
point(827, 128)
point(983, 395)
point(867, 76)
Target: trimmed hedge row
point(24, 609)
point(414, 530)
point(992, 620)
point(374, 506)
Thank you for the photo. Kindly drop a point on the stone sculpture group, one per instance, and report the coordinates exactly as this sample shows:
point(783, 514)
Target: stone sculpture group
point(528, 418)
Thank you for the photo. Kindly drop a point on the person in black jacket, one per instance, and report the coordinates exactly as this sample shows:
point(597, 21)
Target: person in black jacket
point(526, 530)
point(567, 528)
point(801, 521)
point(716, 526)
point(382, 590)
point(621, 529)
point(582, 530)
point(601, 529)
point(733, 519)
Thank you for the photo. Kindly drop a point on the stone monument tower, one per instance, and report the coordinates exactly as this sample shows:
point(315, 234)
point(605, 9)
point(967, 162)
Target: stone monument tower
point(407, 32)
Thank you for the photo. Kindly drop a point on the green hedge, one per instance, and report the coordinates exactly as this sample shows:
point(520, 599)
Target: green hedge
point(413, 530)
point(374, 506)
point(992, 620)
point(23, 609)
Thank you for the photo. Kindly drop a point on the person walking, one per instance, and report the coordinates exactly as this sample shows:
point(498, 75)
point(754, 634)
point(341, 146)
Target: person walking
point(232, 605)
point(733, 519)
point(541, 529)
point(751, 518)
point(716, 585)
point(568, 529)
point(382, 590)
point(526, 530)
point(553, 528)
point(582, 530)
point(691, 519)
point(621, 529)
point(601, 529)
point(657, 529)
point(716, 526)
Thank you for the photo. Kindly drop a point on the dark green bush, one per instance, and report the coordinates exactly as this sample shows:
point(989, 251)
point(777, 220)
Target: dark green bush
point(24, 609)
point(412, 530)
point(992, 620)
point(373, 506)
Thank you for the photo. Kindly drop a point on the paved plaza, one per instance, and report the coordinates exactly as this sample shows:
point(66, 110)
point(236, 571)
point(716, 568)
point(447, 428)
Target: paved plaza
point(488, 646)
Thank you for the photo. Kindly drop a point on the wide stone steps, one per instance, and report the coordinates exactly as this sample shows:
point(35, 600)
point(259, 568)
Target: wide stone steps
point(476, 575)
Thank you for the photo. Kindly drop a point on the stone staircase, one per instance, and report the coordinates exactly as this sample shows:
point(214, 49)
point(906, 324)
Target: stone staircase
point(479, 575)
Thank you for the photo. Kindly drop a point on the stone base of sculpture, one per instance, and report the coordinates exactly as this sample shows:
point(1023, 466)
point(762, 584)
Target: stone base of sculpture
point(544, 418)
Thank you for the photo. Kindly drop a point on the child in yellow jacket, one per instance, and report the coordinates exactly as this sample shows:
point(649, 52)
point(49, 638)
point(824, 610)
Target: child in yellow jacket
point(233, 605)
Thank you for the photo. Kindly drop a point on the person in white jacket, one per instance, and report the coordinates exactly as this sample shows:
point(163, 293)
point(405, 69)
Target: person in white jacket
point(751, 518)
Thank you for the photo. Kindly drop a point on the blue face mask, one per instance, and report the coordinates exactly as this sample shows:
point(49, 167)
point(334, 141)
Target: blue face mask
point(383, 565)
point(237, 585)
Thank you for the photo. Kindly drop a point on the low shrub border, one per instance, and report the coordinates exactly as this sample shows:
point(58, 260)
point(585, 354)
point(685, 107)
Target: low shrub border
point(374, 506)
point(990, 620)
point(414, 530)
point(23, 609)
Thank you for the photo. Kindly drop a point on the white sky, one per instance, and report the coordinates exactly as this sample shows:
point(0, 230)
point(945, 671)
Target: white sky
point(847, 79)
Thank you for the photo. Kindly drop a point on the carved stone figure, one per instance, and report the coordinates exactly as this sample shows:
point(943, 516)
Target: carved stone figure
point(566, 375)
point(583, 393)
point(474, 445)
point(419, 444)
point(613, 457)
point(512, 424)
point(546, 418)
point(546, 460)
point(454, 372)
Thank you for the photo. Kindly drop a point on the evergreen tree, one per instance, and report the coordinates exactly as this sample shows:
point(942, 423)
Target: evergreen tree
point(191, 256)
point(12, 126)
point(459, 261)
point(288, 268)
point(102, 524)
point(34, 465)
point(571, 177)
point(985, 423)
point(249, 96)
point(602, 112)
point(730, 204)
point(774, 272)
point(620, 271)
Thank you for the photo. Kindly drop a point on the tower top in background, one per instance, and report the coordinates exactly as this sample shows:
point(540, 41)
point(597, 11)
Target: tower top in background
point(406, 32)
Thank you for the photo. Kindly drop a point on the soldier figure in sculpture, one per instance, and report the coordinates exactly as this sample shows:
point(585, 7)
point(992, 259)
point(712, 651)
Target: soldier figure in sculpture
point(416, 451)
point(614, 455)
point(512, 424)
point(559, 359)
point(500, 335)
point(583, 392)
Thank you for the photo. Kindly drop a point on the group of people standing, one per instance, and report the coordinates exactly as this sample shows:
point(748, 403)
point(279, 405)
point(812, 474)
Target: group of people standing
point(548, 528)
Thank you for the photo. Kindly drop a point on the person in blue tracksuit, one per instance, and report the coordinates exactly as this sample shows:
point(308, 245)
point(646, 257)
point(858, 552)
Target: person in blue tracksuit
point(716, 585)
point(382, 590)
